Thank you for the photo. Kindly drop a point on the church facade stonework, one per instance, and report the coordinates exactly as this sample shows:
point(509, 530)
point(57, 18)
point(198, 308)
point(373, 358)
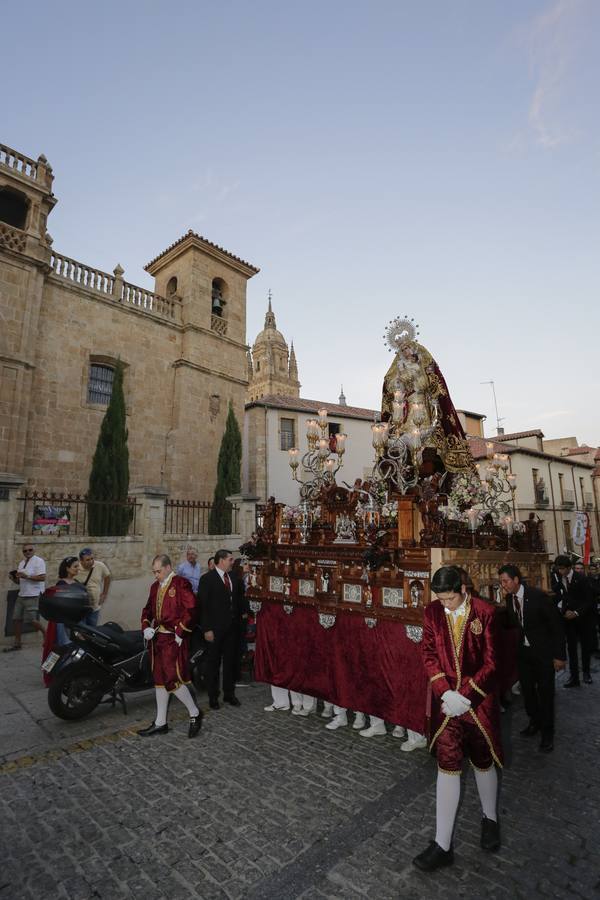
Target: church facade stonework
point(65, 325)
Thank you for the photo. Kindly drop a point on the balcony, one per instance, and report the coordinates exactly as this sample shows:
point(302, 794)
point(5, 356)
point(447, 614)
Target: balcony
point(568, 499)
point(588, 501)
point(541, 497)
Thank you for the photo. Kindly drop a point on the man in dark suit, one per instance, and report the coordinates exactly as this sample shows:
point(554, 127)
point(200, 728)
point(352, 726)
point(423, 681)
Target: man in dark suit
point(219, 601)
point(575, 601)
point(541, 651)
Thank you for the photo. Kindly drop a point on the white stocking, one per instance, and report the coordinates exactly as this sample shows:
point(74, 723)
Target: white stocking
point(447, 797)
point(182, 693)
point(487, 786)
point(162, 703)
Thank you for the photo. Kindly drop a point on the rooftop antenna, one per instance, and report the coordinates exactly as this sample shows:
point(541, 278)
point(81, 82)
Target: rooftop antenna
point(499, 428)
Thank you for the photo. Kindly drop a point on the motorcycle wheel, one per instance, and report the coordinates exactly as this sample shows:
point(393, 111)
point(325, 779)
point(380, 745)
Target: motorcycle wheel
point(74, 693)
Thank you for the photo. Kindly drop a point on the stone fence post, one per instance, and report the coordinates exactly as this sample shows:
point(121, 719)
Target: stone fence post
point(10, 486)
point(150, 519)
point(246, 514)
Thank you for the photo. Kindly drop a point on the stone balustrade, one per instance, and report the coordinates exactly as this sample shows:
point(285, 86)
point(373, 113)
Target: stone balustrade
point(12, 238)
point(79, 273)
point(218, 324)
point(113, 285)
point(18, 162)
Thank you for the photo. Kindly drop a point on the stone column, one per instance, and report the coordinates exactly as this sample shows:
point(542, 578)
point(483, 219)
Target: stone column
point(117, 290)
point(150, 519)
point(246, 516)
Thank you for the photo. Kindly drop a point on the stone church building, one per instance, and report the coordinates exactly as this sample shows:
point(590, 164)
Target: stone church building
point(66, 324)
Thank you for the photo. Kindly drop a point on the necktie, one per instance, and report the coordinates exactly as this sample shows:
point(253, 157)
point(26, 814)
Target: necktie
point(457, 628)
point(518, 608)
point(227, 581)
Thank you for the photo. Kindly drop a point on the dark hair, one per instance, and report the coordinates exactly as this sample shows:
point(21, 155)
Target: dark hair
point(563, 561)
point(222, 554)
point(513, 571)
point(63, 569)
point(85, 552)
point(465, 578)
point(211, 559)
point(448, 578)
point(164, 559)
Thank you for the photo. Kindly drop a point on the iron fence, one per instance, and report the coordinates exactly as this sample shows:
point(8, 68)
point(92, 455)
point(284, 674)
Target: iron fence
point(44, 513)
point(193, 516)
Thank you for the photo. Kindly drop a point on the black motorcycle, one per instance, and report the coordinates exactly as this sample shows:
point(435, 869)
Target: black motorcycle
point(100, 664)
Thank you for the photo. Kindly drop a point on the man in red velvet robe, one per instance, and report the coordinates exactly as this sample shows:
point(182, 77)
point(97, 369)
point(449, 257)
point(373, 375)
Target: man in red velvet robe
point(459, 654)
point(167, 621)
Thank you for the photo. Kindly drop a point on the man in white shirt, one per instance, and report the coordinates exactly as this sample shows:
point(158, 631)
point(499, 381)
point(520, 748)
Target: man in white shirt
point(95, 576)
point(30, 575)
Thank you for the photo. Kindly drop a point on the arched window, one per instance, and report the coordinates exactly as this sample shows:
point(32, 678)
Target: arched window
point(100, 383)
point(258, 365)
point(172, 286)
point(218, 297)
point(14, 207)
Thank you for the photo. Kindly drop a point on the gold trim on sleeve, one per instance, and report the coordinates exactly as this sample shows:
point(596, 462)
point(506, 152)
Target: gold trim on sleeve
point(477, 688)
point(436, 676)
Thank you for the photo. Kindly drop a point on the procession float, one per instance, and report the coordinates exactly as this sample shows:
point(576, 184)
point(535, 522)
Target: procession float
point(339, 582)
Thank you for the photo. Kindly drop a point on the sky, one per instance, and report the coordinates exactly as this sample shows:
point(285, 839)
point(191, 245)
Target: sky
point(430, 159)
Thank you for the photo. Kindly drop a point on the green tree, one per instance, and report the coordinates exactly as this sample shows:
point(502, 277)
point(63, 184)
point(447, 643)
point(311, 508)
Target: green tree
point(228, 476)
point(109, 477)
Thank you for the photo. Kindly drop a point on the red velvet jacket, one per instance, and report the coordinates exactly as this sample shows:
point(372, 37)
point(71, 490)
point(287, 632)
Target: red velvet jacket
point(473, 671)
point(176, 613)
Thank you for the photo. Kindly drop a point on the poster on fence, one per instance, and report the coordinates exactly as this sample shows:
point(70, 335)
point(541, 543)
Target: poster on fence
point(51, 520)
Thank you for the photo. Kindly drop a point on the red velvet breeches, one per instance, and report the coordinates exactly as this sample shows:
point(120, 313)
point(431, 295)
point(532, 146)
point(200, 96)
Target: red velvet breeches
point(462, 737)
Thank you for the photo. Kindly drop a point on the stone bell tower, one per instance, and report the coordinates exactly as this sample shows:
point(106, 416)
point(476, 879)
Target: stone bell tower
point(272, 368)
point(26, 200)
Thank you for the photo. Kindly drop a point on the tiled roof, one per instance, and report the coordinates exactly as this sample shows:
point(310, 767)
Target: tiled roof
point(192, 233)
point(535, 432)
point(583, 448)
point(479, 451)
point(301, 404)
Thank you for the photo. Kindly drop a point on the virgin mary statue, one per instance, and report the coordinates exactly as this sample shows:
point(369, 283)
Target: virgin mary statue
point(415, 397)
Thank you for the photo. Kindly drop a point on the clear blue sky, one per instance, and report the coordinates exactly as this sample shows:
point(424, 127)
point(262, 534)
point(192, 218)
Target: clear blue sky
point(426, 158)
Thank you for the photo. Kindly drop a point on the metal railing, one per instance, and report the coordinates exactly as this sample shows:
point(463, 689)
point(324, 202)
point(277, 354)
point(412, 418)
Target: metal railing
point(47, 513)
point(568, 499)
point(588, 501)
point(193, 516)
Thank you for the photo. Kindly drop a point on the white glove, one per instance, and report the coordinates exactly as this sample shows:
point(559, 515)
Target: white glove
point(149, 634)
point(178, 640)
point(454, 704)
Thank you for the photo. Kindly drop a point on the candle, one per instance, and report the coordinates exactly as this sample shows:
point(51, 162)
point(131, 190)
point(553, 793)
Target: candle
point(293, 457)
point(340, 443)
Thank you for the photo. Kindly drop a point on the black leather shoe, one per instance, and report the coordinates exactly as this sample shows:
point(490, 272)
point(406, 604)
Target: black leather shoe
point(195, 725)
point(587, 678)
point(214, 704)
point(572, 682)
point(434, 858)
point(547, 743)
point(233, 701)
point(531, 729)
point(153, 729)
point(490, 835)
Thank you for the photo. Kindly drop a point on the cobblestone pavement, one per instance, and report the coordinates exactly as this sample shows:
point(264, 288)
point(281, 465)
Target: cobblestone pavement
point(268, 806)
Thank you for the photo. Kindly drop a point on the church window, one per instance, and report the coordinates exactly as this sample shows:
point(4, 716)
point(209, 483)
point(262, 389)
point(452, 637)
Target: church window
point(218, 297)
point(172, 286)
point(100, 384)
point(287, 434)
point(13, 208)
point(334, 428)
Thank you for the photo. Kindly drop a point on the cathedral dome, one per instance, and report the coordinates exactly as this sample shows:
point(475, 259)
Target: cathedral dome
point(269, 335)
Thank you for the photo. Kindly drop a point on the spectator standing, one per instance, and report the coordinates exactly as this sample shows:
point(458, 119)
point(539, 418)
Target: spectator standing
point(540, 653)
point(210, 564)
point(190, 568)
point(67, 574)
point(575, 601)
point(220, 617)
point(94, 575)
point(30, 576)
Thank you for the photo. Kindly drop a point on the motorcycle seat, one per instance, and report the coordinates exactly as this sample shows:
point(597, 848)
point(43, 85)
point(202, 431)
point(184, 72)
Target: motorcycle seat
point(127, 641)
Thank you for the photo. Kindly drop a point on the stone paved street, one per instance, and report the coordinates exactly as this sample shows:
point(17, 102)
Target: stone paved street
point(273, 807)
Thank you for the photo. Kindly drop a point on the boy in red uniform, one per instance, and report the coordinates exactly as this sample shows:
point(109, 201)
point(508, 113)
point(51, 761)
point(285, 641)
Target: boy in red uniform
point(167, 621)
point(459, 654)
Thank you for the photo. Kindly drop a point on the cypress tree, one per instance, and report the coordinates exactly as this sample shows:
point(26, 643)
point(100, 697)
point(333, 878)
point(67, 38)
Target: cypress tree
point(109, 477)
point(228, 476)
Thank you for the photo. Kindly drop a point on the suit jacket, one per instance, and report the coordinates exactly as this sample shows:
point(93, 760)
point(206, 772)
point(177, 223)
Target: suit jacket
point(219, 608)
point(579, 597)
point(473, 670)
point(542, 624)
